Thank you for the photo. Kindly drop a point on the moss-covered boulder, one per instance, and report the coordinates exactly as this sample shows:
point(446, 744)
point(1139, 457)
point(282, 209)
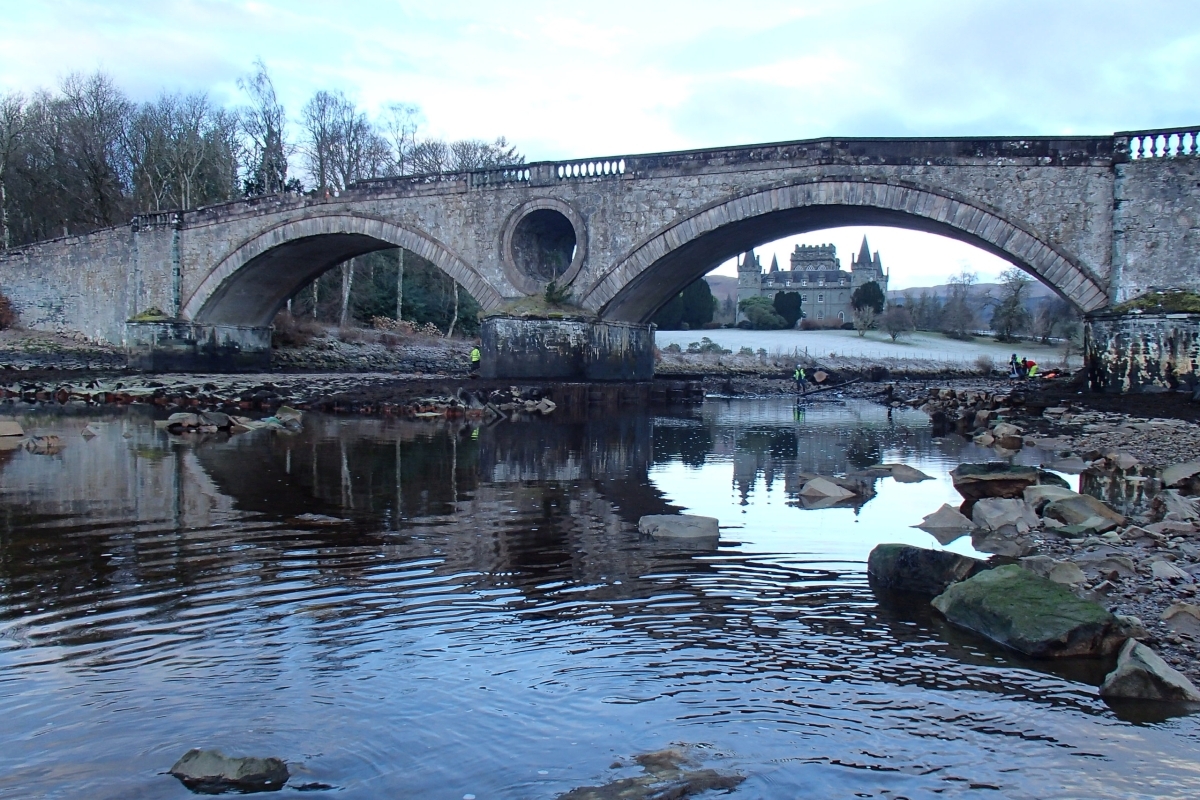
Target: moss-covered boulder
point(905, 568)
point(1032, 615)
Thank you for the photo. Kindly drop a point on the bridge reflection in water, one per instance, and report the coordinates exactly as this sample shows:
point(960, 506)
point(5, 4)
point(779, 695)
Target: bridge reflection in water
point(482, 607)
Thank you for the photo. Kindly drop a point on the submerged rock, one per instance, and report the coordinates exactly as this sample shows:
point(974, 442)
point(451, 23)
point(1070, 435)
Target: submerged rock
point(664, 778)
point(213, 772)
point(679, 526)
point(1032, 615)
point(916, 569)
point(1141, 674)
point(10, 427)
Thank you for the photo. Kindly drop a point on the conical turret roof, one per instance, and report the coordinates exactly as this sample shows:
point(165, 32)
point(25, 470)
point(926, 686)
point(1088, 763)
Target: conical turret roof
point(864, 253)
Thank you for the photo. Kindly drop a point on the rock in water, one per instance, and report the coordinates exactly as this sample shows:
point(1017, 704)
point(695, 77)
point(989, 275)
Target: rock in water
point(1141, 674)
point(916, 569)
point(996, 479)
point(211, 772)
point(823, 487)
point(903, 473)
point(679, 526)
point(1031, 615)
point(995, 513)
point(946, 524)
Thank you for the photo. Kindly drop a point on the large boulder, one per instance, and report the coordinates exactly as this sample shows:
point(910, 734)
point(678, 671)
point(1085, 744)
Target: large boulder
point(1040, 495)
point(1180, 475)
point(916, 569)
point(1032, 615)
point(1080, 510)
point(997, 513)
point(212, 772)
point(679, 526)
point(1141, 674)
point(995, 479)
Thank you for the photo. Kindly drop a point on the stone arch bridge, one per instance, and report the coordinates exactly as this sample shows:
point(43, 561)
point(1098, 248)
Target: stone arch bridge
point(1098, 219)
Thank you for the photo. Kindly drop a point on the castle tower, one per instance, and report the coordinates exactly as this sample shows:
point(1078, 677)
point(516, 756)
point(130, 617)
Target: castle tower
point(865, 268)
point(749, 280)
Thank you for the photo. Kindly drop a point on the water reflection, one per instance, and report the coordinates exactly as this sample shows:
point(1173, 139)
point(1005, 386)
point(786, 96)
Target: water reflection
point(485, 609)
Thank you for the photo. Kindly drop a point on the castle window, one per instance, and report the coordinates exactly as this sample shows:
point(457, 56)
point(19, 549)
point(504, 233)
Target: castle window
point(842, 316)
point(803, 298)
point(820, 298)
point(820, 315)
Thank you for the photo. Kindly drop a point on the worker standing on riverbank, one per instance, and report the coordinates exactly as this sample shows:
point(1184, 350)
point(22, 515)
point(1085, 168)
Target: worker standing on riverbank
point(476, 356)
point(801, 380)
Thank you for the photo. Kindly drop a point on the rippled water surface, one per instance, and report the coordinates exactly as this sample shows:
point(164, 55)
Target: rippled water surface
point(487, 621)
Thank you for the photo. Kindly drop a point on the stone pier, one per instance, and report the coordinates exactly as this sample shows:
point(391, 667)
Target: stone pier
point(182, 346)
point(566, 349)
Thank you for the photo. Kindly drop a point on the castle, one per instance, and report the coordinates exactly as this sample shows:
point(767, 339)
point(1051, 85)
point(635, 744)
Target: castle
point(818, 277)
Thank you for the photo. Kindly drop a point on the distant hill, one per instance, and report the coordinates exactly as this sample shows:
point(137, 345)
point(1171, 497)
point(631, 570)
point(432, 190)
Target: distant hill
point(1036, 292)
point(722, 286)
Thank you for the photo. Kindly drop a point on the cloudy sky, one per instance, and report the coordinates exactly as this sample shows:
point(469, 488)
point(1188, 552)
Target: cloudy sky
point(567, 79)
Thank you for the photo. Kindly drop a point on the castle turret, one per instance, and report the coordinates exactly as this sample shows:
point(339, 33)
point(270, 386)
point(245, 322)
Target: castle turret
point(749, 280)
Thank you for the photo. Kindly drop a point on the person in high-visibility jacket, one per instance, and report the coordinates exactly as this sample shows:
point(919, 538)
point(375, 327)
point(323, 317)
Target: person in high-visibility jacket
point(475, 358)
point(801, 379)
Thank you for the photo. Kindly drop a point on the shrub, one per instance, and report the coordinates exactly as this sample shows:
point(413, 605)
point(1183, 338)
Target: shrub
point(8, 315)
point(985, 365)
point(287, 332)
point(746, 351)
point(673, 347)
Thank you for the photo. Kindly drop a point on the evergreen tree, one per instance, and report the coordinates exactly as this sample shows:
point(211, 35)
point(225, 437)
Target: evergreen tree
point(788, 306)
point(869, 295)
point(698, 304)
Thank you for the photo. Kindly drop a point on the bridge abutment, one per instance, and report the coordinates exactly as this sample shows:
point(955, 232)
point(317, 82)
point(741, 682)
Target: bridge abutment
point(1145, 352)
point(182, 346)
point(566, 349)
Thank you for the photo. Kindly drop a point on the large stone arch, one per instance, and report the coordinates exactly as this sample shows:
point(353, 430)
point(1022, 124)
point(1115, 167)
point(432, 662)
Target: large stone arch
point(654, 270)
point(250, 284)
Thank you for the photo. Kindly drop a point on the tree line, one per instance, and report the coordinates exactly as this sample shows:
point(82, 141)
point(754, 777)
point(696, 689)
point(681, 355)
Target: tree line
point(86, 156)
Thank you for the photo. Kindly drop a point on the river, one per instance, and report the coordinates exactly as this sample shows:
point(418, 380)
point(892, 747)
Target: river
point(474, 613)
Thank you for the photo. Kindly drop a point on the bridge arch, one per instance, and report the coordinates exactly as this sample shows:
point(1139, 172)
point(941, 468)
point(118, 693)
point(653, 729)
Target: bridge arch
point(250, 284)
point(646, 276)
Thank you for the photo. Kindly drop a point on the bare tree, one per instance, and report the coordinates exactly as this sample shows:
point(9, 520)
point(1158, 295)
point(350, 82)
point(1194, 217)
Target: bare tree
point(1010, 316)
point(12, 129)
point(94, 116)
point(401, 125)
point(319, 119)
point(431, 157)
point(957, 316)
point(264, 125)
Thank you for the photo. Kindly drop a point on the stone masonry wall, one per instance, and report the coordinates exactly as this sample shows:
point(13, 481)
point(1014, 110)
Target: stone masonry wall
point(1158, 218)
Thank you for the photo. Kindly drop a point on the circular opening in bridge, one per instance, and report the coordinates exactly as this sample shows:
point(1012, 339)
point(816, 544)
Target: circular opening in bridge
point(543, 245)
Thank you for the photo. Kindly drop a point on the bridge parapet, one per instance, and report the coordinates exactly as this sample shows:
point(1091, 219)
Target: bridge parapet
point(1162, 143)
